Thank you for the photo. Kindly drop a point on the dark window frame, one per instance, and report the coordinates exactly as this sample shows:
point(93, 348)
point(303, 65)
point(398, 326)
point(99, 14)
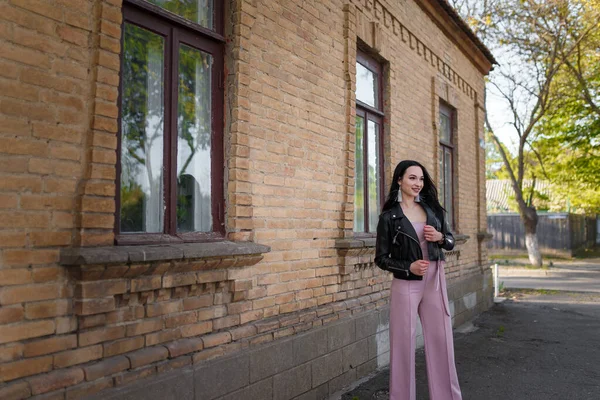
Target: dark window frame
point(177, 30)
point(376, 115)
point(449, 145)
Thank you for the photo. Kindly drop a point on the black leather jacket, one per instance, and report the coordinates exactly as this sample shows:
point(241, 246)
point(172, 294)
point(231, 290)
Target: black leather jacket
point(398, 245)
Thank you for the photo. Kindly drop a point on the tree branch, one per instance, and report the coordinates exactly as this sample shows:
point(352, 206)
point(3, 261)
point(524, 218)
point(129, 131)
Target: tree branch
point(583, 84)
point(539, 157)
point(505, 159)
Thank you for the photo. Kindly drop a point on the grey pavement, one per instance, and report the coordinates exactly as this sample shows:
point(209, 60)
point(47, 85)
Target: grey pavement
point(582, 265)
point(568, 280)
point(567, 275)
point(537, 345)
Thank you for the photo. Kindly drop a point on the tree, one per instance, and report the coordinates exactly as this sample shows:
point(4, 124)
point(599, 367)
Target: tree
point(570, 133)
point(533, 39)
point(582, 64)
point(493, 160)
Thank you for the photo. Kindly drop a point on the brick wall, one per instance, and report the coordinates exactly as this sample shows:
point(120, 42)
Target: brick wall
point(71, 329)
point(46, 66)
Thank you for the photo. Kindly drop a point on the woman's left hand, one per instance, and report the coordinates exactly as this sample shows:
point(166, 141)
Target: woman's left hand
point(431, 234)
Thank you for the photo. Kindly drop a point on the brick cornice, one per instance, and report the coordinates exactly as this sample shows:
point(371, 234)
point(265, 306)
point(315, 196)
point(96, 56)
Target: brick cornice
point(385, 18)
point(451, 24)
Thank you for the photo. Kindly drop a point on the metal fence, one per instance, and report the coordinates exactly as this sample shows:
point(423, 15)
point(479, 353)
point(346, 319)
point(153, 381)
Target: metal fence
point(558, 233)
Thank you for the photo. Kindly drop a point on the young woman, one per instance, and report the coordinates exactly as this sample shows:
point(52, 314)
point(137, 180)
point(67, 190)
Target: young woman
point(410, 237)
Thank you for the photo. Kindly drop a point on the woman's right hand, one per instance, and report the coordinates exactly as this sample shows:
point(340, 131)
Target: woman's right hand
point(419, 267)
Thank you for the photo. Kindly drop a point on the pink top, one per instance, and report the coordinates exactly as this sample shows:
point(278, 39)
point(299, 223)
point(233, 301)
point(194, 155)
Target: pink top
point(418, 226)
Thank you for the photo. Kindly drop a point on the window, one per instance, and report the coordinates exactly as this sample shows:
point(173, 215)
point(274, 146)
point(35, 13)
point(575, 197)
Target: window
point(446, 160)
point(170, 153)
point(368, 162)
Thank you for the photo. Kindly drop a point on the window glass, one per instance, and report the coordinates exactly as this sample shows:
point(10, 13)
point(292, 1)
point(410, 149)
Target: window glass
point(368, 173)
point(194, 141)
point(448, 183)
point(446, 154)
point(373, 178)
point(445, 128)
point(170, 188)
point(366, 86)
point(197, 11)
point(142, 130)
point(359, 189)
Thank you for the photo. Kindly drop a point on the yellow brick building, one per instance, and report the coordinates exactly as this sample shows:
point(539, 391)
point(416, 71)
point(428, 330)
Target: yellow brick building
point(188, 190)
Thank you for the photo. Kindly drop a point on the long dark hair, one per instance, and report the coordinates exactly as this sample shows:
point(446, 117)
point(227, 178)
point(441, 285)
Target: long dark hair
point(429, 193)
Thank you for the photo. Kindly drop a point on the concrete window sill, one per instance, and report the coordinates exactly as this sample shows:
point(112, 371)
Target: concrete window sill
point(461, 239)
point(484, 236)
point(355, 243)
point(156, 253)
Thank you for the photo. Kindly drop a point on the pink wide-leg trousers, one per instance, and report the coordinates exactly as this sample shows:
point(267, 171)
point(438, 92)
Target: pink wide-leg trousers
point(429, 299)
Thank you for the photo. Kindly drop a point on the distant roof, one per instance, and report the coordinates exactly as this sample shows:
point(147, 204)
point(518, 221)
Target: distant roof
point(466, 29)
point(497, 192)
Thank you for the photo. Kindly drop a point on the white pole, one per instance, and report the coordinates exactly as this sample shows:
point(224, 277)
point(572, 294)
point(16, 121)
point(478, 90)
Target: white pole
point(496, 280)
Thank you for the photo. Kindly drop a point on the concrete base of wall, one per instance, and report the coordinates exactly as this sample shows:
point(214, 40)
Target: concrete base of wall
point(313, 365)
point(471, 296)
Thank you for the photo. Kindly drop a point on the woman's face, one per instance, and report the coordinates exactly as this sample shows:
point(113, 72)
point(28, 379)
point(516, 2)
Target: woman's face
point(411, 182)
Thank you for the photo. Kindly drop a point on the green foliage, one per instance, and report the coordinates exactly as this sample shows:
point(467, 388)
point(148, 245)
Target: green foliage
point(534, 198)
point(574, 174)
point(500, 331)
point(132, 198)
point(570, 132)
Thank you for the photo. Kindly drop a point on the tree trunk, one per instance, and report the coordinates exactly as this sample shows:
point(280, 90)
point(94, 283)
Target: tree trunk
point(530, 220)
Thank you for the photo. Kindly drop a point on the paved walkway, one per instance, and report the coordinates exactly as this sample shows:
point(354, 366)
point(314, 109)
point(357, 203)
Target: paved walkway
point(578, 275)
point(588, 264)
point(534, 346)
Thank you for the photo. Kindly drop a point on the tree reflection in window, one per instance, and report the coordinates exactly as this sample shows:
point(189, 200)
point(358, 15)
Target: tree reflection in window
point(359, 181)
point(142, 130)
point(198, 11)
point(194, 141)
